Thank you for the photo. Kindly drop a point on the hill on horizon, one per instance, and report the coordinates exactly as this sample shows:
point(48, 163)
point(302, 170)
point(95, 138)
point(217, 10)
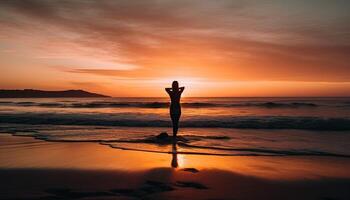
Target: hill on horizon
point(32, 93)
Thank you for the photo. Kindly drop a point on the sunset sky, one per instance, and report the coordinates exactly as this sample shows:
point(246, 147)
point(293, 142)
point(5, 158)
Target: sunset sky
point(213, 48)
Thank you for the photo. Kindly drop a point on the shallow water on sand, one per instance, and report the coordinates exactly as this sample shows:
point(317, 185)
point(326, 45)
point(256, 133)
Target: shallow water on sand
point(206, 141)
point(28, 153)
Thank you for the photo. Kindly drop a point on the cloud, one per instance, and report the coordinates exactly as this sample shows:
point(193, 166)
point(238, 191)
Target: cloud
point(102, 72)
point(246, 40)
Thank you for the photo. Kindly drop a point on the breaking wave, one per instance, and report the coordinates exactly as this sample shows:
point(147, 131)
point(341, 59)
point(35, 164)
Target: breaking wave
point(139, 120)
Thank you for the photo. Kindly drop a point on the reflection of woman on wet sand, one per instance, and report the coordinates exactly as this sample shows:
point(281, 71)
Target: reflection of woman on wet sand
point(175, 107)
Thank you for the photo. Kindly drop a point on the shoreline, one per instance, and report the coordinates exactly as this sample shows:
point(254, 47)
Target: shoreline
point(166, 142)
point(39, 169)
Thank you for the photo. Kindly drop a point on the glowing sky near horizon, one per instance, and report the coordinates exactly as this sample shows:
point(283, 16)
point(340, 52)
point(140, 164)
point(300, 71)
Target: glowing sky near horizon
point(214, 48)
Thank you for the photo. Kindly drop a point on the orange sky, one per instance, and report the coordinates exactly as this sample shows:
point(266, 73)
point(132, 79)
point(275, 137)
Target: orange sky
point(213, 48)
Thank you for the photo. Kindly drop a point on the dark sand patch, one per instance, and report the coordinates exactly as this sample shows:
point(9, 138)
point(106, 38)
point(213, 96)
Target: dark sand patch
point(160, 183)
point(188, 184)
point(65, 193)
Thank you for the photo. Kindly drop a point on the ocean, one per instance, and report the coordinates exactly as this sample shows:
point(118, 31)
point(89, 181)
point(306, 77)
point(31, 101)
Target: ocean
point(210, 126)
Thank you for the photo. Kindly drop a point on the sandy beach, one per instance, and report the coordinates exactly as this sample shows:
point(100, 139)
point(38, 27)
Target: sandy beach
point(36, 169)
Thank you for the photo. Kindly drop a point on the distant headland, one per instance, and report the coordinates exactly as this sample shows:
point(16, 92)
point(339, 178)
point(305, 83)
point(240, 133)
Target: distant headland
point(31, 93)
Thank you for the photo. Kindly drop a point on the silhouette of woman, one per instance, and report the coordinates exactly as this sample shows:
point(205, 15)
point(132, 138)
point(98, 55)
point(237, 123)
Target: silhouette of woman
point(175, 107)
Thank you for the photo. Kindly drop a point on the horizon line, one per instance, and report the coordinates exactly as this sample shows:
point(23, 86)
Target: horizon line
point(110, 96)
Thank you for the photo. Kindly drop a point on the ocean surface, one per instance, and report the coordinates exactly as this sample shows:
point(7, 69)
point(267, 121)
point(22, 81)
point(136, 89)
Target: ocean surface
point(211, 126)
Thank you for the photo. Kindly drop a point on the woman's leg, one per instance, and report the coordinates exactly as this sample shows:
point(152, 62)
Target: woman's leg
point(175, 120)
point(175, 128)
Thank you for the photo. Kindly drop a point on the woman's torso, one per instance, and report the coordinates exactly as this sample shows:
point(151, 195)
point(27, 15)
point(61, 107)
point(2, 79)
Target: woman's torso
point(175, 106)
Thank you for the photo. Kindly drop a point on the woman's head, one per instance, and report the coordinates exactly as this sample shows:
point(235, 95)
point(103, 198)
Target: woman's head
point(175, 85)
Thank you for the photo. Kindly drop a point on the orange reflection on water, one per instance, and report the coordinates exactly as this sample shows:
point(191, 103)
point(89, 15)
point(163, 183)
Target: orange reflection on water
point(24, 152)
point(274, 167)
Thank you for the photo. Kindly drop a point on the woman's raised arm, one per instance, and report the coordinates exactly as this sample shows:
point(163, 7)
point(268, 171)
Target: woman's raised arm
point(182, 89)
point(168, 90)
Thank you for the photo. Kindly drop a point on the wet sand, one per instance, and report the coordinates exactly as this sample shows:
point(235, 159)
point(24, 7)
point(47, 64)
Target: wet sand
point(35, 169)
